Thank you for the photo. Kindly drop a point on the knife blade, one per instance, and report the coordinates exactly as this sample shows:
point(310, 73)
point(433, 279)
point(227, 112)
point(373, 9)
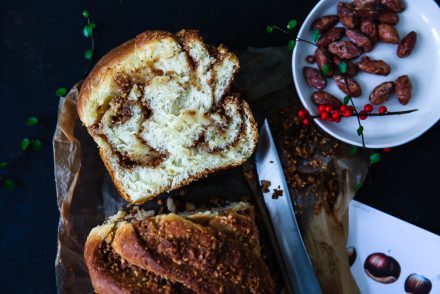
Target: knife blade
point(299, 276)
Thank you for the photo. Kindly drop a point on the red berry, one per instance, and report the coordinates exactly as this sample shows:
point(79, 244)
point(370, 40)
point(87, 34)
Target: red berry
point(321, 108)
point(343, 108)
point(362, 115)
point(351, 108)
point(347, 113)
point(324, 115)
point(328, 108)
point(382, 109)
point(330, 119)
point(368, 107)
point(386, 150)
point(306, 121)
point(303, 113)
point(337, 119)
point(336, 115)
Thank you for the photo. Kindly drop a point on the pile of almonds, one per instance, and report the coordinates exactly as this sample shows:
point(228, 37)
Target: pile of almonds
point(365, 22)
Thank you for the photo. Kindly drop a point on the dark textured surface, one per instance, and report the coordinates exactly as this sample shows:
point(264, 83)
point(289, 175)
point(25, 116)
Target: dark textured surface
point(42, 49)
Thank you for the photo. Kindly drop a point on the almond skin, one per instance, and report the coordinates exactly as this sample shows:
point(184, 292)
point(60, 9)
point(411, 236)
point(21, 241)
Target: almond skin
point(407, 45)
point(321, 97)
point(332, 35)
point(388, 34)
point(322, 58)
point(314, 78)
point(381, 93)
point(375, 67)
point(345, 49)
point(347, 15)
point(323, 24)
point(354, 90)
point(394, 5)
point(403, 89)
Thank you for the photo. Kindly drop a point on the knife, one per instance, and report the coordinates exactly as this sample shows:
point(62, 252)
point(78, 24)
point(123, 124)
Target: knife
point(298, 273)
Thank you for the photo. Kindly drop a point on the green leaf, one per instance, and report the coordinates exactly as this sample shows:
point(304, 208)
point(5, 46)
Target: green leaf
point(269, 29)
point(346, 99)
point(37, 145)
point(24, 144)
point(87, 31)
point(343, 67)
point(32, 121)
point(360, 130)
point(92, 25)
point(353, 150)
point(88, 54)
point(85, 13)
point(374, 158)
point(325, 69)
point(292, 24)
point(315, 35)
point(9, 184)
point(61, 92)
point(358, 186)
point(291, 45)
point(4, 164)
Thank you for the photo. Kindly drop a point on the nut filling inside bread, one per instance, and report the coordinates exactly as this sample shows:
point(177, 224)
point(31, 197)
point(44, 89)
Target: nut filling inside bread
point(205, 252)
point(159, 109)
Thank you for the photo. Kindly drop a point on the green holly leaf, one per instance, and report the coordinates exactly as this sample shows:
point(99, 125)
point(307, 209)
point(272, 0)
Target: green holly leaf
point(4, 164)
point(87, 31)
point(85, 13)
point(61, 92)
point(292, 24)
point(269, 29)
point(32, 121)
point(325, 69)
point(291, 45)
point(24, 144)
point(360, 130)
point(342, 67)
point(9, 184)
point(346, 99)
point(88, 54)
point(315, 35)
point(353, 150)
point(374, 158)
point(37, 145)
point(358, 186)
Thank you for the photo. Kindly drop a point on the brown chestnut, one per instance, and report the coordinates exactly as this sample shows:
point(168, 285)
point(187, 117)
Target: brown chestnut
point(417, 284)
point(382, 268)
point(352, 254)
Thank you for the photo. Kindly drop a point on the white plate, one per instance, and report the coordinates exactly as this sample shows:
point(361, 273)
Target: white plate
point(422, 66)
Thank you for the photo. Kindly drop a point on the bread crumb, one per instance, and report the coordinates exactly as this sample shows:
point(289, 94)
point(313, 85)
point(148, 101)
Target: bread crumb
point(171, 205)
point(265, 186)
point(277, 193)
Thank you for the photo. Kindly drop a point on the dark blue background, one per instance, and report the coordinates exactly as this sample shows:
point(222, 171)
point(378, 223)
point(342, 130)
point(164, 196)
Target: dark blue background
point(42, 49)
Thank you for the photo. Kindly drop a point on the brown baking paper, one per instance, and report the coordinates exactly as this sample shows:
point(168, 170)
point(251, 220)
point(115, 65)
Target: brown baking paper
point(86, 196)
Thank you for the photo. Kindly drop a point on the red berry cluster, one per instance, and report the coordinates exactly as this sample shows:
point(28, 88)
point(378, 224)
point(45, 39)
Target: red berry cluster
point(331, 113)
point(369, 108)
point(303, 113)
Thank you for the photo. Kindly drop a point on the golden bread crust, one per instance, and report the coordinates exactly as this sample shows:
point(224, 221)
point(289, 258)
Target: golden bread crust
point(186, 256)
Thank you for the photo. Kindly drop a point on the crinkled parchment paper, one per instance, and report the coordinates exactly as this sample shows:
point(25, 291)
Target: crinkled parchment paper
point(86, 195)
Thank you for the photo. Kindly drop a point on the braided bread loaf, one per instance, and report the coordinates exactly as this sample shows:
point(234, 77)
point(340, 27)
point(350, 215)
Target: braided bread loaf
point(204, 252)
